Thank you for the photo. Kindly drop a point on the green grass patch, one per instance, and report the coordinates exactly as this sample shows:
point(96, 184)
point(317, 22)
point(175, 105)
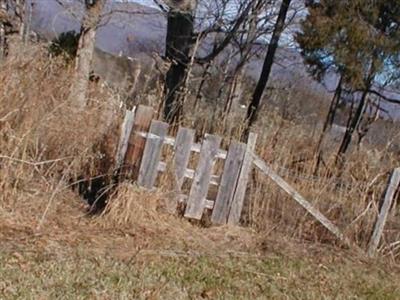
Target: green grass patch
point(84, 276)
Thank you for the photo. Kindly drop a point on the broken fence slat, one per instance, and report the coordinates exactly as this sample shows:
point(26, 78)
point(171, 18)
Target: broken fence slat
point(238, 199)
point(228, 183)
point(126, 130)
point(152, 153)
point(384, 211)
point(183, 145)
point(198, 192)
point(300, 199)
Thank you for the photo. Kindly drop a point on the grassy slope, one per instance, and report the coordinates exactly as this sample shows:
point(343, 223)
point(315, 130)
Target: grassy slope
point(44, 275)
point(74, 258)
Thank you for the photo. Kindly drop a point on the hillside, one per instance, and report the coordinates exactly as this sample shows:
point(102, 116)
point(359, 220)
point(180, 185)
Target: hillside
point(158, 256)
point(103, 199)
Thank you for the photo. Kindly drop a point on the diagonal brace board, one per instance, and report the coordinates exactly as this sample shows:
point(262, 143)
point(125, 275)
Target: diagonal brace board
point(300, 200)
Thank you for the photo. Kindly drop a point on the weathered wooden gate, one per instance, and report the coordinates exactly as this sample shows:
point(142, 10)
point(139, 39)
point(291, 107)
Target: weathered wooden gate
point(231, 184)
point(141, 145)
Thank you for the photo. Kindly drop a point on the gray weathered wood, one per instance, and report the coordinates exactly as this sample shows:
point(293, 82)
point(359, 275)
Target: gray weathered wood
point(189, 173)
point(228, 183)
point(199, 189)
point(209, 204)
point(134, 153)
point(152, 153)
point(126, 130)
point(183, 145)
point(384, 211)
point(240, 193)
point(195, 147)
point(300, 200)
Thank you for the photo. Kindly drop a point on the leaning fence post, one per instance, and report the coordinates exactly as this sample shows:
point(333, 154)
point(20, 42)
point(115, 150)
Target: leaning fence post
point(384, 211)
point(227, 186)
point(238, 198)
point(126, 130)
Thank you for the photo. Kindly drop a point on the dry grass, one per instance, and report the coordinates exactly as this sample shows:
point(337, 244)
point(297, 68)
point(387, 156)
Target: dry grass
point(287, 142)
point(139, 247)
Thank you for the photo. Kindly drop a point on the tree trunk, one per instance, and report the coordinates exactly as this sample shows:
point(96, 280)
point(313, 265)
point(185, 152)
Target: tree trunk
point(3, 37)
point(328, 122)
point(178, 44)
point(83, 61)
point(235, 92)
point(356, 119)
point(199, 93)
point(268, 62)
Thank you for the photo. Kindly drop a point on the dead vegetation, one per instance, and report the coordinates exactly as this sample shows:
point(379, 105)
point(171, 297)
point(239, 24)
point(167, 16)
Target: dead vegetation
point(46, 146)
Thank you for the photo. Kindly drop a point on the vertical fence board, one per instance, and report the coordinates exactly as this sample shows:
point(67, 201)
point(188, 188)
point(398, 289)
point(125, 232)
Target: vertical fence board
point(228, 183)
point(201, 180)
point(238, 198)
point(126, 130)
point(152, 153)
point(183, 145)
point(143, 117)
point(384, 211)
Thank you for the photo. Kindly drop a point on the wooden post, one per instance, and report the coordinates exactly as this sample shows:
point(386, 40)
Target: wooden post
point(152, 153)
point(384, 211)
point(228, 183)
point(143, 117)
point(183, 145)
point(126, 130)
point(238, 199)
point(198, 192)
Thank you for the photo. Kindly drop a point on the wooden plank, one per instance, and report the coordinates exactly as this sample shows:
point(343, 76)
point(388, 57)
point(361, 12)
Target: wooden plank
point(189, 173)
point(300, 199)
point(241, 187)
point(198, 192)
point(229, 180)
point(183, 198)
point(152, 153)
point(126, 129)
point(195, 147)
point(183, 145)
point(143, 117)
point(384, 211)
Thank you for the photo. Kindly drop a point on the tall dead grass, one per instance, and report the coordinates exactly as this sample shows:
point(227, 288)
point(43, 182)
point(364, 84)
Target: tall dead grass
point(286, 141)
point(45, 144)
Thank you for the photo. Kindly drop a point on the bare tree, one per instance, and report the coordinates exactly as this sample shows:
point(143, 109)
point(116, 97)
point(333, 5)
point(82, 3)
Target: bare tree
point(11, 22)
point(268, 62)
point(178, 45)
point(3, 23)
point(83, 63)
point(180, 41)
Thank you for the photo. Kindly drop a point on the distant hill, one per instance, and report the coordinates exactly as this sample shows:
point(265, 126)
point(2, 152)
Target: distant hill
point(136, 30)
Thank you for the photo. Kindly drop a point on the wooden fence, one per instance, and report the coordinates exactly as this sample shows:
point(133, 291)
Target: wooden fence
point(141, 145)
point(231, 184)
